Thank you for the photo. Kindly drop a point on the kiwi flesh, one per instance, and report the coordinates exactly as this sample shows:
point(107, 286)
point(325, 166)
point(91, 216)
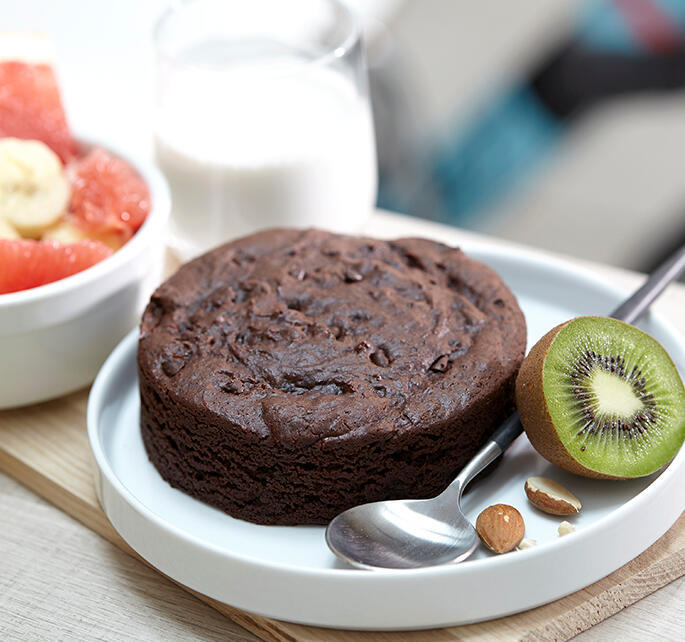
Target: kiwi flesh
point(601, 398)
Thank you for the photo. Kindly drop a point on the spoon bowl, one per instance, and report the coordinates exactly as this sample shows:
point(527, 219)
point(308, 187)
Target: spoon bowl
point(401, 534)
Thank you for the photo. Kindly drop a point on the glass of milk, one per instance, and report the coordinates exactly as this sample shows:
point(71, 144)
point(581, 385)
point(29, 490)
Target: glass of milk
point(262, 119)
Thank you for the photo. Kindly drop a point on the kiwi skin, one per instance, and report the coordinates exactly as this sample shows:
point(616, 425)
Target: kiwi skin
point(535, 417)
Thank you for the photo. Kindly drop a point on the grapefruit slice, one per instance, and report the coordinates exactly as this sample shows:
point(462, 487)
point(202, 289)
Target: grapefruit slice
point(27, 264)
point(30, 104)
point(107, 195)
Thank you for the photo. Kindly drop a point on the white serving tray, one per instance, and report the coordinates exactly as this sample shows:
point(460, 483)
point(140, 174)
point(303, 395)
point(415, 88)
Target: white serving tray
point(288, 573)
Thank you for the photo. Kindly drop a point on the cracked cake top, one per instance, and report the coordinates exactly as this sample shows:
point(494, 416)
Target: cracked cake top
point(302, 336)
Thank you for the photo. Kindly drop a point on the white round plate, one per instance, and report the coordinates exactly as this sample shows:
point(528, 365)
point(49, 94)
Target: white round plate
point(288, 572)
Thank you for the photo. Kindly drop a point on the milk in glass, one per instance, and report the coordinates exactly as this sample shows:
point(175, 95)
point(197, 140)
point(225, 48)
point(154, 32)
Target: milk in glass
point(263, 141)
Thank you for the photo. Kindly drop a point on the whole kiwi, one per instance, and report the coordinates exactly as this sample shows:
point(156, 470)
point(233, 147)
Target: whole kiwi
point(601, 398)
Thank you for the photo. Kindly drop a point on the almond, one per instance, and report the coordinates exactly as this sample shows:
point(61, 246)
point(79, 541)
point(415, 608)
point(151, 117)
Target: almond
point(551, 497)
point(500, 528)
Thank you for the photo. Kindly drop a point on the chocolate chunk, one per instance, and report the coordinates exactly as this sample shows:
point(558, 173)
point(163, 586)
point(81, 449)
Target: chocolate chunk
point(440, 364)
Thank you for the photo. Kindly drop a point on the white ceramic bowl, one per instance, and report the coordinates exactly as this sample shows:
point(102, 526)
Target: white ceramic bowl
point(54, 338)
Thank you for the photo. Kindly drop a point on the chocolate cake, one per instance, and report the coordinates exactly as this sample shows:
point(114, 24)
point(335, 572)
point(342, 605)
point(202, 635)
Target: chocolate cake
point(289, 375)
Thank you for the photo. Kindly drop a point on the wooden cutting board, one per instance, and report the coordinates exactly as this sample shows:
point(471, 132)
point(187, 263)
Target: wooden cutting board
point(45, 447)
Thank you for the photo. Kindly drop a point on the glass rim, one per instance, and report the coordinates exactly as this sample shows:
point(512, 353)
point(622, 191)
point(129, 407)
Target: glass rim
point(336, 51)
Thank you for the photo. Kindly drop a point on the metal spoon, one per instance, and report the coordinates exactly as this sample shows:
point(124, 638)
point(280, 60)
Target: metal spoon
point(427, 532)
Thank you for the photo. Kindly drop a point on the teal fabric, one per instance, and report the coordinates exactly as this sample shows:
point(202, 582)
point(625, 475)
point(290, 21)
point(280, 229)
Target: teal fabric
point(509, 139)
point(603, 26)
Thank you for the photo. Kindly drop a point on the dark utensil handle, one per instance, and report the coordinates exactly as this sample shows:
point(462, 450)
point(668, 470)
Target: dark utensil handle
point(509, 430)
point(629, 311)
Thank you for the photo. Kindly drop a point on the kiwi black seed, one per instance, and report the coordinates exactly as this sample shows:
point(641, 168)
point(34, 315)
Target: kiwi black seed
point(601, 398)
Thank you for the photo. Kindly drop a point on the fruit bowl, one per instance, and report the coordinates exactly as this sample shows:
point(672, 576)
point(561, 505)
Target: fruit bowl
point(54, 338)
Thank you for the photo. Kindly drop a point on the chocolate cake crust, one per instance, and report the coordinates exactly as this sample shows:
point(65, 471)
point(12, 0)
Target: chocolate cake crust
point(289, 375)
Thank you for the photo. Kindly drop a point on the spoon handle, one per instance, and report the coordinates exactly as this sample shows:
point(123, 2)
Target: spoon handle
point(629, 311)
point(509, 430)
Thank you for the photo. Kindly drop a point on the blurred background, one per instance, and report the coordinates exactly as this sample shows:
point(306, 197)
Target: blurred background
point(555, 124)
point(559, 125)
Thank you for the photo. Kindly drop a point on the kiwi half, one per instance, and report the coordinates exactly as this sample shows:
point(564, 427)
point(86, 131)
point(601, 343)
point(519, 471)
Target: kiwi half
point(601, 398)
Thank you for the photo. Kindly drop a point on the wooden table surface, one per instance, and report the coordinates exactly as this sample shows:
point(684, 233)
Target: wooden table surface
point(59, 580)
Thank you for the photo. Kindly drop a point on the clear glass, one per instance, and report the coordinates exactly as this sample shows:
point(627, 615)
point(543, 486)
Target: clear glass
point(263, 118)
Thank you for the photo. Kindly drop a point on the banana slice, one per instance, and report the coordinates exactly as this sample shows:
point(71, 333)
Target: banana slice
point(25, 46)
point(66, 232)
point(33, 189)
point(7, 231)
